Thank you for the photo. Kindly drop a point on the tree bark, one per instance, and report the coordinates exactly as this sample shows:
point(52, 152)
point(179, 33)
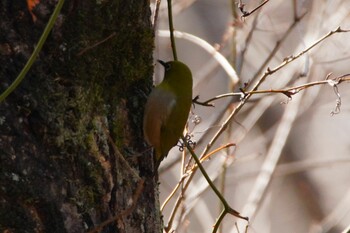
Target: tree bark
point(72, 157)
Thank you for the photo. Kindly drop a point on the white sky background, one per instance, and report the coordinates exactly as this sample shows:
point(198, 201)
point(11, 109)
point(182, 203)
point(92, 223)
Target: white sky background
point(309, 190)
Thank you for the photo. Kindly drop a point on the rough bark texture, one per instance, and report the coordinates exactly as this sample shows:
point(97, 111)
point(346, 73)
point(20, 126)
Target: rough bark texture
point(72, 157)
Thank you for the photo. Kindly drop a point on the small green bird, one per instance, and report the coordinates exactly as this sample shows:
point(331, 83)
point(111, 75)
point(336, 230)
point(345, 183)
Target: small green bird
point(167, 109)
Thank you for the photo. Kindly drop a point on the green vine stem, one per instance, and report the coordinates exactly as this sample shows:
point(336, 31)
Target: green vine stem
point(35, 53)
point(171, 29)
point(227, 208)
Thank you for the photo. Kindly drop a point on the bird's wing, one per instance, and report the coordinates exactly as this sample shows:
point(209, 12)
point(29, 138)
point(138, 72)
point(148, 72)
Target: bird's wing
point(159, 106)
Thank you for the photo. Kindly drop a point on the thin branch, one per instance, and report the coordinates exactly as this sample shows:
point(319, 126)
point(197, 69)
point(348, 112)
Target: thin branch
point(262, 79)
point(277, 46)
point(269, 165)
point(247, 13)
point(219, 220)
point(227, 208)
point(292, 58)
point(239, 106)
point(295, 9)
point(173, 212)
point(246, 44)
point(97, 44)
point(206, 103)
point(156, 13)
point(216, 150)
point(173, 192)
point(185, 175)
point(291, 168)
point(289, 92)
point(256, 86)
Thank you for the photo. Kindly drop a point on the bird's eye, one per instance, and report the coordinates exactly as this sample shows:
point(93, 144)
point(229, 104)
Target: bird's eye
point(167, 66)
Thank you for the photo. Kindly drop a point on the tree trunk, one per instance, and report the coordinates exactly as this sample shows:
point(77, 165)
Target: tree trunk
point(72, 157)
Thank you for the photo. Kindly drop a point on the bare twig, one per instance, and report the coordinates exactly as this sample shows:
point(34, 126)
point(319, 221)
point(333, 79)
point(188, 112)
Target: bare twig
point(246, 44)
point(289, 92)
point(291, 168)
point(156, 13)
point(255, 87)
point(264, 178)
point(96, 44)
point(261, 80)
point(173, 192)
point(244, 100)
point(188, 172)
point(277, 46)
point(292, 58)
point(227, 208)
point(206, 103)
point(247, 13)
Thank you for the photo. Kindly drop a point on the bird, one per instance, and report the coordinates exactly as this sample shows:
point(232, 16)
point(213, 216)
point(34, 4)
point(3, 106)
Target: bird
point(167, 109)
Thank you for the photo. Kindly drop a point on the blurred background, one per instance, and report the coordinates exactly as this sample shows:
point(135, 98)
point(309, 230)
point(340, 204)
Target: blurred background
point(289, 170)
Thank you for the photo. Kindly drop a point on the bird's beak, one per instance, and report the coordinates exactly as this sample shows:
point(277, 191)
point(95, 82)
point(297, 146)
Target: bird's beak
point(162, 62)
